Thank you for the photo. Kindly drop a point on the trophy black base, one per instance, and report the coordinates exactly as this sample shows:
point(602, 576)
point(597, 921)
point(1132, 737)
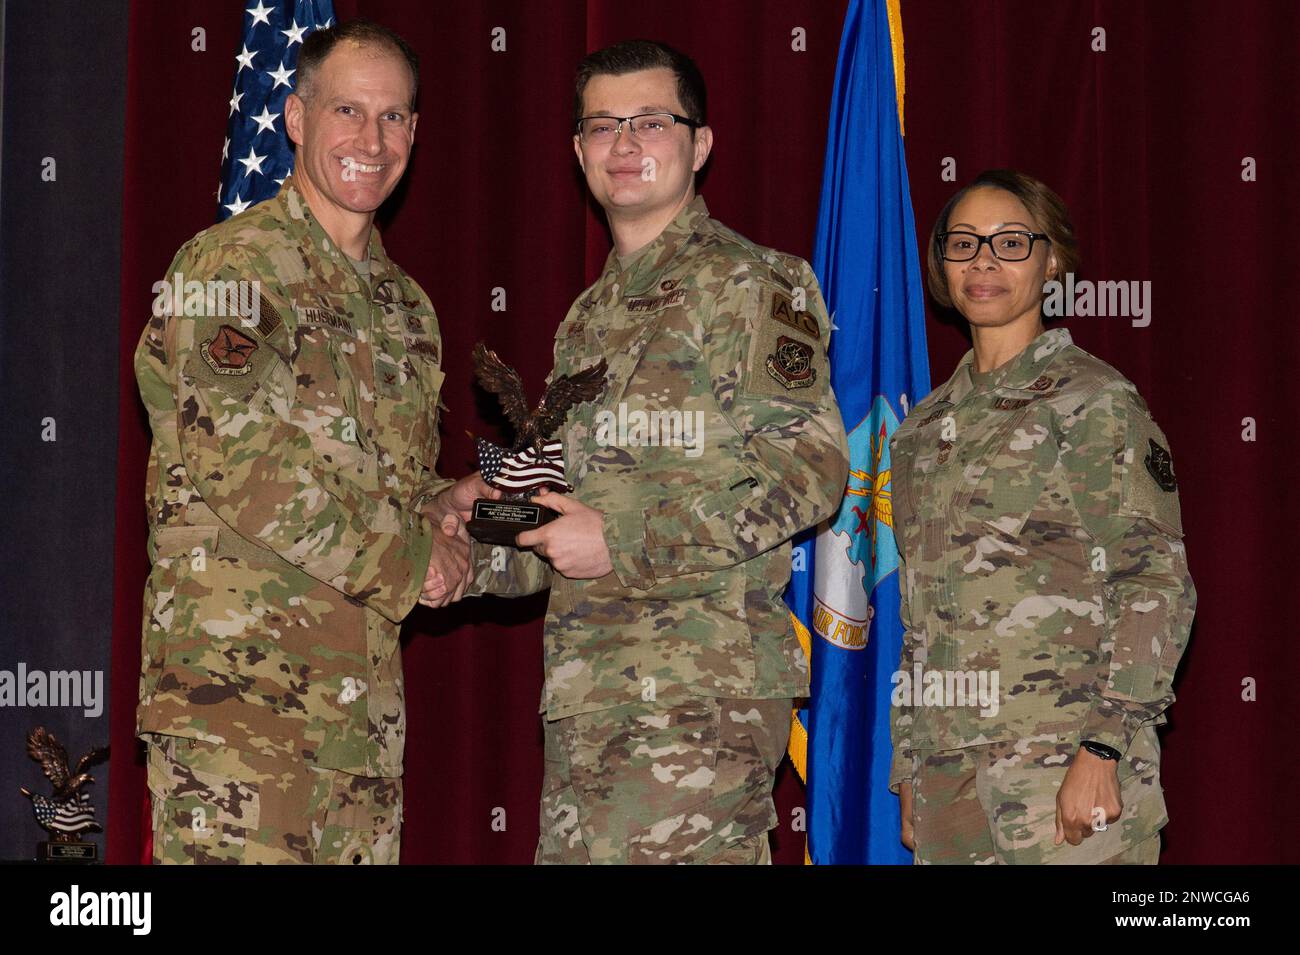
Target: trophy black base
point(498, 522)
point(77, 852)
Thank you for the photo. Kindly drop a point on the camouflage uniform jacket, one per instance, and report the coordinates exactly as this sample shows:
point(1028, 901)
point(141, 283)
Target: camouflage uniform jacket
point(290, 456)
point(708, 327)
point(1040, 539)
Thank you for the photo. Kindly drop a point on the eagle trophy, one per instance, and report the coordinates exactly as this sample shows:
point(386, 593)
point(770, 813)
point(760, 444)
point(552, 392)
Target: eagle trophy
point(532, 429)
point(68, 812)
point(536, 461)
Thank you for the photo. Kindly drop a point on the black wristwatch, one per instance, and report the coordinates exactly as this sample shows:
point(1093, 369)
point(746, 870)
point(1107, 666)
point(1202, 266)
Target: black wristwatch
point(1100, 749)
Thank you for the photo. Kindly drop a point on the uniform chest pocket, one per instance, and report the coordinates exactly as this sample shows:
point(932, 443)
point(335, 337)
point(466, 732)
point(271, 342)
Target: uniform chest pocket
point(424, 435)
point(325, 375)
point(625, 350)
point(921, 465)
point(571, 347)
point(902, 503)
point(1004, 468)
point(327, 403)
point(391, 376)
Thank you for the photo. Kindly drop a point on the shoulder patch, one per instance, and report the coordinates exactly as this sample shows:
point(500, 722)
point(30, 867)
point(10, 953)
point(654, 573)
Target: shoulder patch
point(1149, 488)
point(229, 351)
point(230, 354)
point(1161, 466)
point(784, 312)
point(268, 319)
point(791, 364)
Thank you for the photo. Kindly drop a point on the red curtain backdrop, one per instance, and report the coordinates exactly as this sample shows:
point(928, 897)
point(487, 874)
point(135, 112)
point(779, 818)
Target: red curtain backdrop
point(1145, 141)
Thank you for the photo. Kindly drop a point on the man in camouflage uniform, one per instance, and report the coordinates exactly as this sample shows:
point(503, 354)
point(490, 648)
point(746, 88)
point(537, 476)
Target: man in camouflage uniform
point(295, 515)
point(671, 664)
point(1039, 527)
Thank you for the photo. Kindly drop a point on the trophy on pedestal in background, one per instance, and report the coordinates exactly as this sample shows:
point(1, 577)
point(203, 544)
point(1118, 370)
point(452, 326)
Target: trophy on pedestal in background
point(535, 462)
point(68, 812)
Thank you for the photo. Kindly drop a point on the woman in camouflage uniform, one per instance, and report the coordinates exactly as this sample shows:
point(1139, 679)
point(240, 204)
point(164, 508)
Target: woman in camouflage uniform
point(1045, 590)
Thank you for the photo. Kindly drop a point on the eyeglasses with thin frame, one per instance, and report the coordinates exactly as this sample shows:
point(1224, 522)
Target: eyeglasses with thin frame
point(647, 127)
point(1010, 246)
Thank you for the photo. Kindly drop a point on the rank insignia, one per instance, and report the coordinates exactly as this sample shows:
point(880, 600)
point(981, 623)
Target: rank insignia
point(1161, 466)
point(791, 363)
point(229, 351)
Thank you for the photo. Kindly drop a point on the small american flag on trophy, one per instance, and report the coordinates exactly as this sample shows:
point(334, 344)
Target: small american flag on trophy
point(522, 472)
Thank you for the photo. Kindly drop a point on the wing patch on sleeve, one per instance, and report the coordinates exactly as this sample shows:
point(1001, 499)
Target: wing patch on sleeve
point(786, 357)
point(233, 353)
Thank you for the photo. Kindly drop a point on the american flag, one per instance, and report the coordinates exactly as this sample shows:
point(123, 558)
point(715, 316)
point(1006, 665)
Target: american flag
point(257, 154)
point(519, 472)
point(65, 815)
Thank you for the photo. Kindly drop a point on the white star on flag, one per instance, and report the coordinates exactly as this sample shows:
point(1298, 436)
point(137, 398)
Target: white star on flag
point(281, 75)
point(265, 122)
point(294, 33)
point(260, 14)
point(253, 164)
point(238, 206)
point(245, 59)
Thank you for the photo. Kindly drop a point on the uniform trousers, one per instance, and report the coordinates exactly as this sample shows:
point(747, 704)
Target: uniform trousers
point(216, 805)
point(650, 783)
point(996, 804)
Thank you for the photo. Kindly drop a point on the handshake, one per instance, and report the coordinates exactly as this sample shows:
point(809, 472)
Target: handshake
point(450, 568)
point(573, 544)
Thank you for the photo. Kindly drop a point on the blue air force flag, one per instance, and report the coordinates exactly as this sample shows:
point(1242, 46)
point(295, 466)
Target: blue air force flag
point(846, 600)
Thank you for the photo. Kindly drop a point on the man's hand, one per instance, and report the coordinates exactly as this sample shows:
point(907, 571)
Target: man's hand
point(574, 542)
point(905, 811)
point(1091, 783)
point(460, 497)
point(449, 566)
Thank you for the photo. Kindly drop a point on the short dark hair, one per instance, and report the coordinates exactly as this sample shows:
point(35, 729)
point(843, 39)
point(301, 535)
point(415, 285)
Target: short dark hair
point(1044, 205)
point(366, 33)
point(629, 56)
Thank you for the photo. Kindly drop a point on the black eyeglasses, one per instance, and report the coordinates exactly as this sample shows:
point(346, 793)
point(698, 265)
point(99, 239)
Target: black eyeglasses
point(1008, 246)
point(647, 127)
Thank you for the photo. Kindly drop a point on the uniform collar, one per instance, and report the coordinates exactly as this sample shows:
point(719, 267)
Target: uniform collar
point(650, 262)
point(1028, 372)
point(296, 209)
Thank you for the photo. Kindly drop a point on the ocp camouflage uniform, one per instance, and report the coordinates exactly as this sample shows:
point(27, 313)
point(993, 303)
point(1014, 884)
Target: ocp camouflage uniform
point(293, 448)
point(217, 805)
point(669, 681)
point(1037, 516)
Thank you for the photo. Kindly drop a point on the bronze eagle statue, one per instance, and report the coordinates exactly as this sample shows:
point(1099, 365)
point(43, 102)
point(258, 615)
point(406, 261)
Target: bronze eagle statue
point(50, 753)
point(68, 811)
point(535, 427)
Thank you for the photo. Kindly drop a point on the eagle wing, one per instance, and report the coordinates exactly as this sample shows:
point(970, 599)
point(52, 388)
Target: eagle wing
point(94, 756)
point(49, 752)
point(565, 392)
point(504, 382)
